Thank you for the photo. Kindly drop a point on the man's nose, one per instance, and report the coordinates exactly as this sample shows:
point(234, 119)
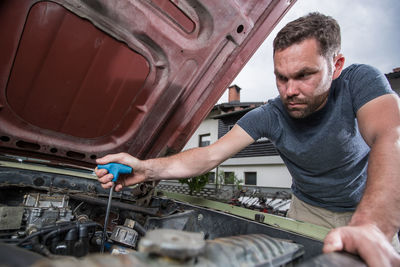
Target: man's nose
point(291, 88)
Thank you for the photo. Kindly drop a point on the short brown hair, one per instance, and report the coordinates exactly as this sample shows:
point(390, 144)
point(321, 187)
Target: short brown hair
point(324, 29)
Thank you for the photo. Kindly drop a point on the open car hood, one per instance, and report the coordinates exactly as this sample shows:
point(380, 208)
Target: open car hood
point(83, 78)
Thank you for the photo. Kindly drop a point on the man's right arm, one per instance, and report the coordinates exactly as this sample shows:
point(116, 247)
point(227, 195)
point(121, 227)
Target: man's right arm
point(189, 163)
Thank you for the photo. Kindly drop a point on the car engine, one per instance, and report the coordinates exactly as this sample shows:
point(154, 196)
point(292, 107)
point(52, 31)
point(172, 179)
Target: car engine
point(65, 224)
point(58, 219)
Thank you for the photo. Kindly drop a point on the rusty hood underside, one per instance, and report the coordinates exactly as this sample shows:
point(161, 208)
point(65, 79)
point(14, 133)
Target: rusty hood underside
point(83, 78)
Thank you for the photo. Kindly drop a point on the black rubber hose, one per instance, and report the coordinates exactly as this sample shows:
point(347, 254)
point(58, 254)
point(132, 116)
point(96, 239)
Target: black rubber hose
point(138, 227)
point(67, 228)
point(57, 231)
point(42, 231)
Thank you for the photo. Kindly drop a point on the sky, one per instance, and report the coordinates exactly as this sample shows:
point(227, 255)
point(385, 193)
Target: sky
point(370, 35)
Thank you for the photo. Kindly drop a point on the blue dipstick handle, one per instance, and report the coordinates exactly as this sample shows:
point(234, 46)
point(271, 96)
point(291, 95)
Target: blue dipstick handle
point(116, 169)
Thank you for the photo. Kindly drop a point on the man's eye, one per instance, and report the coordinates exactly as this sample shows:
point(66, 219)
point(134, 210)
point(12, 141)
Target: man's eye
point(281, 78)
point(303, 75)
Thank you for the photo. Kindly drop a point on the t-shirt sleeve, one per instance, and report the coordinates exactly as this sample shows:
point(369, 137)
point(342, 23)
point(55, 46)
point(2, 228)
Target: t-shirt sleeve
point(259, 122)
point(367, 83)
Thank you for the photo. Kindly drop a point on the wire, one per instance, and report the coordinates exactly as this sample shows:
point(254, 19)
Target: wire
point(44, 230)
point(77, 207)
point(67, 228)
point(53, 229)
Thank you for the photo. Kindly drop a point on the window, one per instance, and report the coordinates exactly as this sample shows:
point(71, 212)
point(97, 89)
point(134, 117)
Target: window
point(204, 140)
point(229, 177)
point(250, 178)
point(211, 177)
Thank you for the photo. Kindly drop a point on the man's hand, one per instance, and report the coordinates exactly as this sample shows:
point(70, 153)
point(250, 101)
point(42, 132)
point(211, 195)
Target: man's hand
point(365, 240)
point(137, 176)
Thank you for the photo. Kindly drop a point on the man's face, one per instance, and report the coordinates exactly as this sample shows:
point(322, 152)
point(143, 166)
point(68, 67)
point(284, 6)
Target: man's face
point(303, 78)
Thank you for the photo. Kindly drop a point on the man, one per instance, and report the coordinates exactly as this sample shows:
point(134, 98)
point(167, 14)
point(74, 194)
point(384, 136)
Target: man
point(338, 132)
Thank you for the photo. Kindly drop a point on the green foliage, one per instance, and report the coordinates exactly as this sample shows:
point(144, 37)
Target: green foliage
point(238, 183)
point(232, 179)
point(195, 183)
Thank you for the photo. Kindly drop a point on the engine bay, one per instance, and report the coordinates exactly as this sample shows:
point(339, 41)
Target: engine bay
point(60, 218)
point(52, 223)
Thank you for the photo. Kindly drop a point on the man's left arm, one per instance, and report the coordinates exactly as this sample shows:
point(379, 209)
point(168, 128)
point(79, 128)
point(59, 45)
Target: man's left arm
point(379, 123)
point(377, 217)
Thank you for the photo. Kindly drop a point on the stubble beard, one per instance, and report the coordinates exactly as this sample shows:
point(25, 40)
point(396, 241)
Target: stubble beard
point(308, 107)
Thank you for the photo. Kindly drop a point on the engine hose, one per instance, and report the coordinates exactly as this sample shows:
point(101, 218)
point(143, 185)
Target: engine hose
point(138, 227)
point(42, 231)
point(67, 228)
point(57, 231)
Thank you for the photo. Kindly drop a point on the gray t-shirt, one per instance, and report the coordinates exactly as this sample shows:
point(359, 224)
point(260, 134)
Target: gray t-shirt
point(324, 152)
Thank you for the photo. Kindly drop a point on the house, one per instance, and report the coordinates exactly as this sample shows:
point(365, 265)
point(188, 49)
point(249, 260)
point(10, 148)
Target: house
point(394, 79)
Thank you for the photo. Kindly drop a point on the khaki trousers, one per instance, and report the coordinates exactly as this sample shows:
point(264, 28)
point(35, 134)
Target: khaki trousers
point(301, 211)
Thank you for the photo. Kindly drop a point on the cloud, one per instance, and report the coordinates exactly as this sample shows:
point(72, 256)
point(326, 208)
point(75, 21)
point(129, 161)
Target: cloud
point(370, 35)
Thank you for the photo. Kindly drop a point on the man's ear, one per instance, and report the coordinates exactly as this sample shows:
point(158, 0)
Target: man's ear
point(338, 65)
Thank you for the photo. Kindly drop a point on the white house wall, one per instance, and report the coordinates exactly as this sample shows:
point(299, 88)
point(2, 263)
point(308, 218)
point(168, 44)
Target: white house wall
point(271, 171)
point(208, 126)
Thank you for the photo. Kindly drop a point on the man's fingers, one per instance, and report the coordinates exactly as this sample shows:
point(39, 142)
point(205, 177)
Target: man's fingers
point(365, 240)
point(109, 158)
point(106, 178)
point(122, 158)
point(100, 172)
point(333, 242)
point(118, 187)
point(107, 185)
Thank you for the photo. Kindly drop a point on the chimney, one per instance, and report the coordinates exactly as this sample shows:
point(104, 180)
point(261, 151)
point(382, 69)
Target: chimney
point(234, 93)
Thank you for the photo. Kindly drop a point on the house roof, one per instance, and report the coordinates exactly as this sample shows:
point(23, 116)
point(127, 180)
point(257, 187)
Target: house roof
point(226, 107)
point(393, 75)
point(233, 113)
